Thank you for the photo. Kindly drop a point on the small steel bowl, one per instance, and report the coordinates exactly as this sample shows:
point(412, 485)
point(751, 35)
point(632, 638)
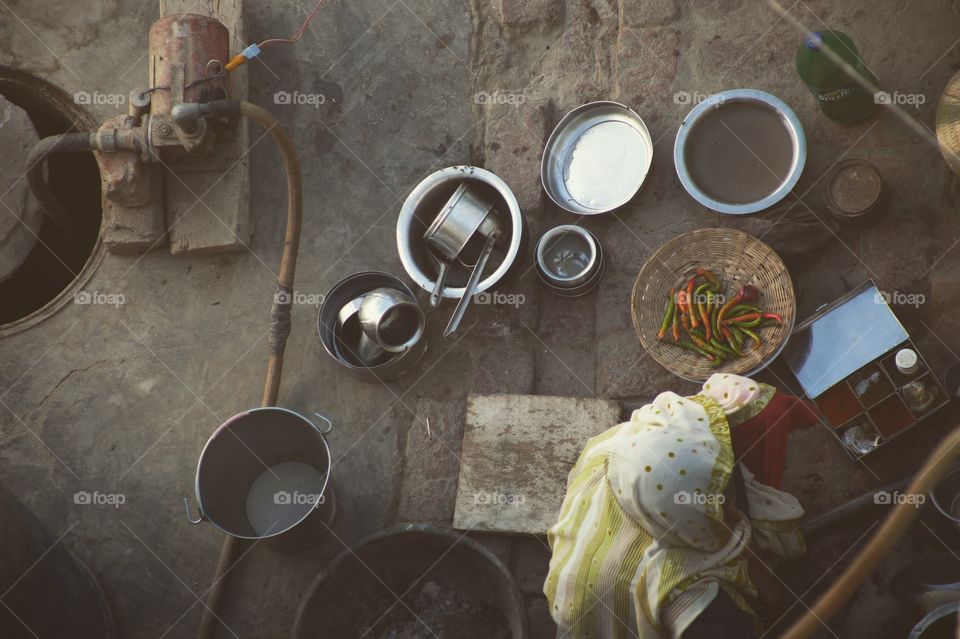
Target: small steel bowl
point(592, 278)
point(596, 158)
point(686, 137)
point(570, 239)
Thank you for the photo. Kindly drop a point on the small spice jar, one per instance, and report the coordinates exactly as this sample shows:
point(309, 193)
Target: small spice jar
point(853, 191)
point(907, 361)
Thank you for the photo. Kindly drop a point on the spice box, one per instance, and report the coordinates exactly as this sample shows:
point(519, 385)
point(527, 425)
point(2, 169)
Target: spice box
point(845, 358)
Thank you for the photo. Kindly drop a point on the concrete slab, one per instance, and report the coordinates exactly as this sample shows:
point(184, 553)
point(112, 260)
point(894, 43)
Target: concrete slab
point(517, 452)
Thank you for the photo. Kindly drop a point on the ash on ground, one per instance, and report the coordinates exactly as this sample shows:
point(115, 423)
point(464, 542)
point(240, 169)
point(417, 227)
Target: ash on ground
point(443, 613)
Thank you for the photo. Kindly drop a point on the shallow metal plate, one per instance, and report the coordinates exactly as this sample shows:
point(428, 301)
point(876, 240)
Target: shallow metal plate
point(596, 158)
point(790, 121)
point(846, 337)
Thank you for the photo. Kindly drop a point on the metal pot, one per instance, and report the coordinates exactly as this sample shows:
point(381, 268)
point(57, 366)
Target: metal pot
point(459, 220)
point(419, 211)
point(941, 622)
point(264, 474)
point(354, 591)
point(946, 496)
point(343, 293)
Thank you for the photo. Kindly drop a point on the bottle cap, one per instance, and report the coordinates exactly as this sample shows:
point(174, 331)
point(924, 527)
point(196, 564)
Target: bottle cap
point(814, 40)
point(907, 361)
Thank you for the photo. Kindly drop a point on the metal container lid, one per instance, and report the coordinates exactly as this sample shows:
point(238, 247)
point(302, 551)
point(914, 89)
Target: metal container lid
point(842, 338)
point(907, 361)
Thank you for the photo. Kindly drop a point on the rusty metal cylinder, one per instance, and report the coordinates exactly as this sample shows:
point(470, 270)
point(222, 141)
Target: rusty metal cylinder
point(181, 48)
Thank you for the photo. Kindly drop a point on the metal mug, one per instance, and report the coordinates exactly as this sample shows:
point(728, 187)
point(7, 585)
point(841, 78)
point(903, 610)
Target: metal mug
point(392, 319)
point(364, 350)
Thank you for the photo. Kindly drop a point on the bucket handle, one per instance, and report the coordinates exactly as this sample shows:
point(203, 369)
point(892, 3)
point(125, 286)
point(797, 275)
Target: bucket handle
point(329, 427)
point(186, 506)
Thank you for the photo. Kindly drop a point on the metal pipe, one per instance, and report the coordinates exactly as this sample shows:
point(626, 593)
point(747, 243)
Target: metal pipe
point(63, 143)
point(897, 522)
point(825, 522)
point(231, 551)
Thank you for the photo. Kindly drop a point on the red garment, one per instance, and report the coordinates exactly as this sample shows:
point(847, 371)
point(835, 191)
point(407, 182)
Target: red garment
point(761, 441)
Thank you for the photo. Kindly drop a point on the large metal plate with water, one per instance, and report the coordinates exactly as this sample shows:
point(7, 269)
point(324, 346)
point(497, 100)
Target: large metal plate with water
point(841, 339)
point(596, 158)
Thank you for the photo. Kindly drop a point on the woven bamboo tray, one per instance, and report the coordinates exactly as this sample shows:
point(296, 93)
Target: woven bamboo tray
point(738, 259)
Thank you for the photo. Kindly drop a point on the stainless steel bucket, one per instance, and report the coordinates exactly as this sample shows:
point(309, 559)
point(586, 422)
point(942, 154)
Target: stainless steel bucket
point(264, 475)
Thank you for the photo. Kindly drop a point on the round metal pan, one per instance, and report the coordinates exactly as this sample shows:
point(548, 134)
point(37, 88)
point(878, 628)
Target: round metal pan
point(596, 158)
point(686, 137)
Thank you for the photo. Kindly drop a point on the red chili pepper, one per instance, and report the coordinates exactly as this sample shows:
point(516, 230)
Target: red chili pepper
point(747, 317)
point(676, 327)
point(747, 294)
point(774, 317)
point(690, 301)
point(682, 301)
point(705, 317)
point(711, 278)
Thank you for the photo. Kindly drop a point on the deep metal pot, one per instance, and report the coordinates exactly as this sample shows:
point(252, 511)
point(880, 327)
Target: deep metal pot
point(342, 293)
point(264, 475)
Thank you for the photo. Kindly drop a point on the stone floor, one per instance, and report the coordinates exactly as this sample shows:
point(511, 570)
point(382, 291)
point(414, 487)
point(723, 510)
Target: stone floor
point(122, 399)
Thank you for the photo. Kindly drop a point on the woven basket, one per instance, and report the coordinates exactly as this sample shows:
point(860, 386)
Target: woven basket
point(948, 123)
point(738, 259)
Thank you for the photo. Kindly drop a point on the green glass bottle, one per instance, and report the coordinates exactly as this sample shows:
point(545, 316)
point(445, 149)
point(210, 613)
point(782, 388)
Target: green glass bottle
point(840, 97)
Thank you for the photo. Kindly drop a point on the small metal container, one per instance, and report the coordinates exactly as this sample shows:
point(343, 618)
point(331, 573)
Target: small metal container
point(461, 217)
point(569, 260)
point(854, 191)
point(335, 341)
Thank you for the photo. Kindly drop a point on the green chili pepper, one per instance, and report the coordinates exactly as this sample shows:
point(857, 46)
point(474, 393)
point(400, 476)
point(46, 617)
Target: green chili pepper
point(692, 347)
point(667, 316)
point(751, 324)
point(726, 349)
point(753, 336)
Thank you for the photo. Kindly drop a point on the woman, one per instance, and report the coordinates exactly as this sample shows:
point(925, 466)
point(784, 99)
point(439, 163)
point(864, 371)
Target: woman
point(653, 539)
